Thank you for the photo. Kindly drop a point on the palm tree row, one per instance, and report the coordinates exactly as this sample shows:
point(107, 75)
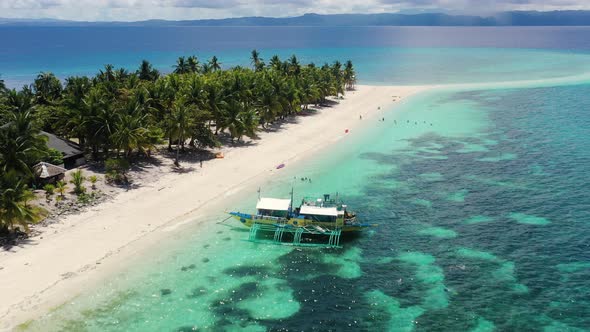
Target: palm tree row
point(120, 114)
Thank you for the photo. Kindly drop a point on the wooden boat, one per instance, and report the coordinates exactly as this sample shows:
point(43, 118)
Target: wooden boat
point(313, 219)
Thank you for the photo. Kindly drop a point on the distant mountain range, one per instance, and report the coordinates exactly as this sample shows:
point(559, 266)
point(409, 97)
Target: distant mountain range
point(513, 18)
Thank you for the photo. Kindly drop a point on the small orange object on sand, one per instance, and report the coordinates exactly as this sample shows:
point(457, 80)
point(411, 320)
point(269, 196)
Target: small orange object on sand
point(219, 155)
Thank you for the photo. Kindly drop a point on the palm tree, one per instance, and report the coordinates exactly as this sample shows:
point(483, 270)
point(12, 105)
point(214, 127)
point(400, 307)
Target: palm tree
point(294, 67)
point(309, 93)
point(21, 146)
point(13, 207)
point(257, 61)
point(179, 124)
point(326, 84)
point(129, 133)
point(241, 119)
point(268, 103)
point(99, 119)
point(2, 87)
point(349, 75)
point(193, 64)
point(73, 116)
point(215, 64)
point(78, 179)
point(215, 103)
point(147, 72)
point(255, 56)
point(279, 89)
point(206, 68)
point(106, 75)
point(338, 78)
point(61, 187)
point(121, 74)
point(194, 90)
point(93, 179)
point(19, 102)
point(181, 66)
point(292, 96)
point(275, 62)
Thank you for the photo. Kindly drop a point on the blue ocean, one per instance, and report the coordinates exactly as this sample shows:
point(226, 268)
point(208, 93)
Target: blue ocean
point(479, 188)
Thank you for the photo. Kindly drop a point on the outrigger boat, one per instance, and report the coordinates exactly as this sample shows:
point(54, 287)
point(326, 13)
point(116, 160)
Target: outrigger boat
point(314, 218)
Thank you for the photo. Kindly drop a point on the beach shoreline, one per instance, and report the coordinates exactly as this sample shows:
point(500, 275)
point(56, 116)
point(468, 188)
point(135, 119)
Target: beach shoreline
point(83, 249)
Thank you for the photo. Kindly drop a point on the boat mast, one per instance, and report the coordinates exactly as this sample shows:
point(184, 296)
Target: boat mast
point(291, 205)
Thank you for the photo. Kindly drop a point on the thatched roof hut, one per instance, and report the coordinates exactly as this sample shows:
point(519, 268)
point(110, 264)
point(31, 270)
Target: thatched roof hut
point(48, 173)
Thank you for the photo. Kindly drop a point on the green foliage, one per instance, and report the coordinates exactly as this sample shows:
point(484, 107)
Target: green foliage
point(2, 87)
point(53, 157)
point(154, 136)
point(21, 145)
point(147, 72)
point(116, 171)
point(49, 189)
point(205, 137)
point(93, 179)
point(61, 187)
point(85, 198)
point(14, 210)
point(47, 88)
point(78, 179)
point(118, 113)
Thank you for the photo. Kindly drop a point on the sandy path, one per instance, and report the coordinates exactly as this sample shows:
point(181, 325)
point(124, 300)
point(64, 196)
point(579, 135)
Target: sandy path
point(85, 248)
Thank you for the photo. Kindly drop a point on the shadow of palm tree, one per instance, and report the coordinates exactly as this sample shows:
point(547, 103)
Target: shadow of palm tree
point(189, 155)
point(226, 140)
point(14, 239)
point(277, 126)
point(182, 170)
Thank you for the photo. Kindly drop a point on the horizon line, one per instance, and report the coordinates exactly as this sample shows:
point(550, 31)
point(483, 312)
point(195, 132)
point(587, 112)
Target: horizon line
point(450, 14)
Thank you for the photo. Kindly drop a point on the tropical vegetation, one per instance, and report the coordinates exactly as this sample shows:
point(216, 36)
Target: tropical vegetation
point(118, 115)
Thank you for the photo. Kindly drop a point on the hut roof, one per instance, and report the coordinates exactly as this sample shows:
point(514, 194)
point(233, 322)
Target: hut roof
point(45, 170)
point(66, 147)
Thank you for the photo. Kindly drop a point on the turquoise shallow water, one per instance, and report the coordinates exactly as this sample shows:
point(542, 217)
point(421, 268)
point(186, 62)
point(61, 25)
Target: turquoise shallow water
point(484, 221)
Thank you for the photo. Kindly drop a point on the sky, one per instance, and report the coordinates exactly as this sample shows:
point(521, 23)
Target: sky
point(137, 10)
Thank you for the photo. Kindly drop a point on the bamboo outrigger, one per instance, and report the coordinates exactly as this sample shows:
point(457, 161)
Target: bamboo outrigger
point(314, 218)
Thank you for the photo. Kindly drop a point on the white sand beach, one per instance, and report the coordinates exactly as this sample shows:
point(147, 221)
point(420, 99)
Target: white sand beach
point(82, 249)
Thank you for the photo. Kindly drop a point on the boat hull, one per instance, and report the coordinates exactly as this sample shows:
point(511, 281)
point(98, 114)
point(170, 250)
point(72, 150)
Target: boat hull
point(249, 220)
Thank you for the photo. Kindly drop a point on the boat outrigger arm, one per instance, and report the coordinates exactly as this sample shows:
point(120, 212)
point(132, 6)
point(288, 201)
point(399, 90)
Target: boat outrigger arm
point(315, 218)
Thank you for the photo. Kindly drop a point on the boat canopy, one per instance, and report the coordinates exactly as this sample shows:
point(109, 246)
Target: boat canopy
point(273, 204)
point(318, 211)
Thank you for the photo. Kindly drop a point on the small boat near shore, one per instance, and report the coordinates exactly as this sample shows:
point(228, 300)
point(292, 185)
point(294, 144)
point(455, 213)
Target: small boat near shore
point(314, 219)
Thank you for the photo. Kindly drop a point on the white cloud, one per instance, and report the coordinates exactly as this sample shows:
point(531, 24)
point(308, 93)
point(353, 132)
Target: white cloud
point(197, 9)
